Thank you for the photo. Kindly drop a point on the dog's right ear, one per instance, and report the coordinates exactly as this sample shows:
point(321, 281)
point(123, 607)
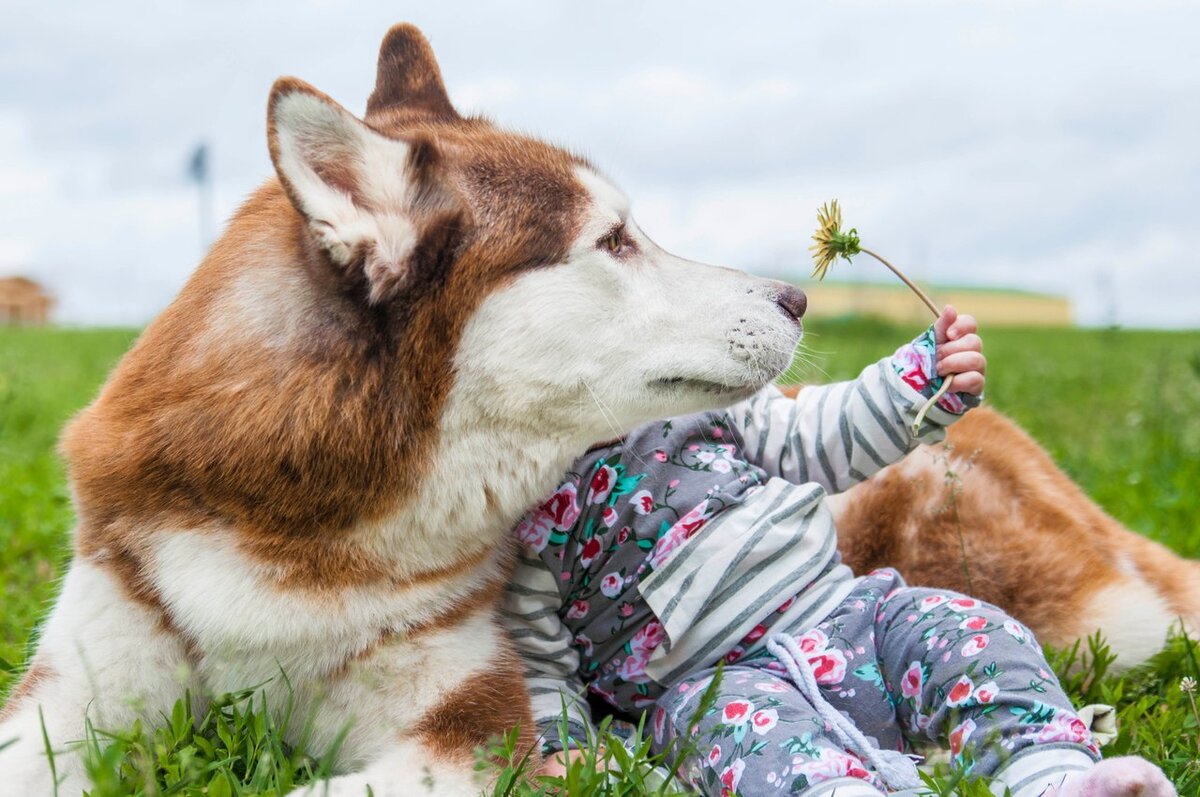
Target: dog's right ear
point(355, 186)
point(408, 76)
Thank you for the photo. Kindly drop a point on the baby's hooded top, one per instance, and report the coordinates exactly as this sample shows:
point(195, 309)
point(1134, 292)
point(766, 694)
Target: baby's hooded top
point(660, 553)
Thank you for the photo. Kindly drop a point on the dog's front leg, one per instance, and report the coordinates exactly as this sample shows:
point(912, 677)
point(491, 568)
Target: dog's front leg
point(102, 657)
point(423, 709)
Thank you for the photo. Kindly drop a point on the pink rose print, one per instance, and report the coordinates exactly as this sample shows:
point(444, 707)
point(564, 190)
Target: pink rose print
point(602, 484)
point(706, 457)
point(914, 368)
point(633, 669)
point(578, 610)
point(584, 643)
point(660, 455)
point(951, 403)
point(736, 712)
point(959, 736)
point(721, 466)
point(832, 764)
point(986, 693)
point(731, 776)
point(973, 623)
point(829, 667)
point(534, 530)
point(756, 633)
point(963, 604)
point(975, 645)
point(591, 549)
point(648, 637)
point(643, 502)
point(623, 535)
point(626, 609)
point(735, 655)
point(673, 483)
point(961, 692)
point(660, 722)
point(714, 755)
point(764, 721)
point(609, 517)
point(813, 641)
point(562, 506)
point(718, 433)
point(911, 683)
point(931, 602)
point(682, 531)
point(1014, 630)
point(610, 585)
point(772, 686)
point(1065, 727)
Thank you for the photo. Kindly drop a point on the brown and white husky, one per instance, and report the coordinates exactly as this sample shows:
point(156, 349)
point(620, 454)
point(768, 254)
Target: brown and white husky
point(310, 462)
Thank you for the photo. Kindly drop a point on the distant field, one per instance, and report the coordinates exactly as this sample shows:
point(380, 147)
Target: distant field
point(1120, 411)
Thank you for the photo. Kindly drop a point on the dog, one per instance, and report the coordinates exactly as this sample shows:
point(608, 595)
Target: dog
point(305, 471)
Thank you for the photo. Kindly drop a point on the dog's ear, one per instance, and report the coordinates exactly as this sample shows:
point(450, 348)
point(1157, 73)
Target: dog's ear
point(360, 191)
point(409, 77)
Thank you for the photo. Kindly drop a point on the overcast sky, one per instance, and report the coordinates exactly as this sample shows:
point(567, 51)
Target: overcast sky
point(1050, 146)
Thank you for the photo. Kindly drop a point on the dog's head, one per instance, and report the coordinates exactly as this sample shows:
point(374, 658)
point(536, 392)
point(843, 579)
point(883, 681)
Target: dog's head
point(414, 278)
point(520, 255)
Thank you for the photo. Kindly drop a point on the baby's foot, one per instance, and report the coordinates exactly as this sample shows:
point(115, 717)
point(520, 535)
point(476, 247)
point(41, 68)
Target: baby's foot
point(1127, 776)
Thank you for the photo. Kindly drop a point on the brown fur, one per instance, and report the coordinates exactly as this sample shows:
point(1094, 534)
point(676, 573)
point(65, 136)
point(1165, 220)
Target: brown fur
point(1034, 543)
point(33, 681)
point(480, 713)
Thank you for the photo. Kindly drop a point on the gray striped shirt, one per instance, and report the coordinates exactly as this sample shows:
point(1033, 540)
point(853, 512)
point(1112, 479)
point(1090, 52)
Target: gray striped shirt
point(659, 555)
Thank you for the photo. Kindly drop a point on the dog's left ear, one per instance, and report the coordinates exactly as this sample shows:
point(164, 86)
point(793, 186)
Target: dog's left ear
point(367, 197)
point(409, 78)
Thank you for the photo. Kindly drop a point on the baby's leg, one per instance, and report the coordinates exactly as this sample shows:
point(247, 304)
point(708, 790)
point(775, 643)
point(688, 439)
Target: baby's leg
point(762, 738)
point(966, 675)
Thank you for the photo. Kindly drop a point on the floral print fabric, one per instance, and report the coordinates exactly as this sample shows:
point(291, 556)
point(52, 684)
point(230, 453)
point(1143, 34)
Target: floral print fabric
point(905, 664)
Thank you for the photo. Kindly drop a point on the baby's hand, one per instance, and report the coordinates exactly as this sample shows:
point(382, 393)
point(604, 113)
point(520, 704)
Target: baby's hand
point(960, 351)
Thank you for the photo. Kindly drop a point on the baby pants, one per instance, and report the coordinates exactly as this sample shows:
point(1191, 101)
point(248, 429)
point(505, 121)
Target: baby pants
point(908, 666)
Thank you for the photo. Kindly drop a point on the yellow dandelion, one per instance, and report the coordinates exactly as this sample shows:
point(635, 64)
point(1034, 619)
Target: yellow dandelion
point(831, 242)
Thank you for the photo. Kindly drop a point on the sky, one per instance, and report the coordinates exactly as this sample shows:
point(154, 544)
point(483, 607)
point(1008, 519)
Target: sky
point(1049, 146)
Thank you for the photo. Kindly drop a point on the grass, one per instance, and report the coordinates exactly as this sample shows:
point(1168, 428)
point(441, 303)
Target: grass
point(1119, 410)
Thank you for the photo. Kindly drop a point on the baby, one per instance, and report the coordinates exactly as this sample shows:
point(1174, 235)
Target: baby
point(707, 539)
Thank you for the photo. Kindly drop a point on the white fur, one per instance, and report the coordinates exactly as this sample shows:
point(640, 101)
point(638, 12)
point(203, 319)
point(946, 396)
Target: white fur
point(310, 131)
point(1132, 617)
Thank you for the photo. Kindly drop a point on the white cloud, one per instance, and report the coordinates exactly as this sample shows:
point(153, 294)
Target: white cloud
point(1034, 144)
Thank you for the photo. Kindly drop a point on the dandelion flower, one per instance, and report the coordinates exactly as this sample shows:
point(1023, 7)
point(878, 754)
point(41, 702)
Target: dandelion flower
point(831, 242)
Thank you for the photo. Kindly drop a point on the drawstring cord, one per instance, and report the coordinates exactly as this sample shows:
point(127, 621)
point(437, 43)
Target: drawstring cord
point(897, 769)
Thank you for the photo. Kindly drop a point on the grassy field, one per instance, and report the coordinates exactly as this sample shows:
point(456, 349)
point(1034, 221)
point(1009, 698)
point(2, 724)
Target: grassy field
point(1120, 411)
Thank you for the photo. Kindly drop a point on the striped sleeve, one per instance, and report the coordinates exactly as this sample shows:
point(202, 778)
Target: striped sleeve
point(840, 434)
point(529, 611)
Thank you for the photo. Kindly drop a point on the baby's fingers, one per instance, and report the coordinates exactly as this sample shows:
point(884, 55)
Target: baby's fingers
point(963, 325)
point(969, 342)
point(961, 363)
point(971, 383)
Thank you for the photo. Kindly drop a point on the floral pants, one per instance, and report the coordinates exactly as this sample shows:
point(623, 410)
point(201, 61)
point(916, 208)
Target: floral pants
point(908, 665)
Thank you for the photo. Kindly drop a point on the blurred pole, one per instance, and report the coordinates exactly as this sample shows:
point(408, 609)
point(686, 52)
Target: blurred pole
point(200, 172)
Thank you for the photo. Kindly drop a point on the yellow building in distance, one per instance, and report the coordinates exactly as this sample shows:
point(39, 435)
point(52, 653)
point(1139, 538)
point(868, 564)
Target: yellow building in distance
point(896, 303)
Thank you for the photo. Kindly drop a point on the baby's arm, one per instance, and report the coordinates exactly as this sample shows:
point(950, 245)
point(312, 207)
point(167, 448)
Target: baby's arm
point(840, 434)
point(529, 611)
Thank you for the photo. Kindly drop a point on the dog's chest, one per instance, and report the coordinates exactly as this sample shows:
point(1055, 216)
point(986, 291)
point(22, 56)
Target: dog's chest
point(246, 627)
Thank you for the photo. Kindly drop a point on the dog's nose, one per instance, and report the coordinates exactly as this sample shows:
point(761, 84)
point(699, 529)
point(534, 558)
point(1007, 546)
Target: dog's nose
point(793, 301)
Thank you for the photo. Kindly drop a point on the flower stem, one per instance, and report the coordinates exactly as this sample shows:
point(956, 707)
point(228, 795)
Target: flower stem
point(924, 297)
point(936, 314)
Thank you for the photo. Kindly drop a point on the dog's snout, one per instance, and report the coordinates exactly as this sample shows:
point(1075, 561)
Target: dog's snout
point(792, 301)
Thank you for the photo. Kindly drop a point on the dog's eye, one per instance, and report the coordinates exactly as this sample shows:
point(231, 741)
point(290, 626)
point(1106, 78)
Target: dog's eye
point(616, 241)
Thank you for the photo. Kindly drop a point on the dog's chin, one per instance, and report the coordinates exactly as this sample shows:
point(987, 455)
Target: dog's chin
point(706, 393)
